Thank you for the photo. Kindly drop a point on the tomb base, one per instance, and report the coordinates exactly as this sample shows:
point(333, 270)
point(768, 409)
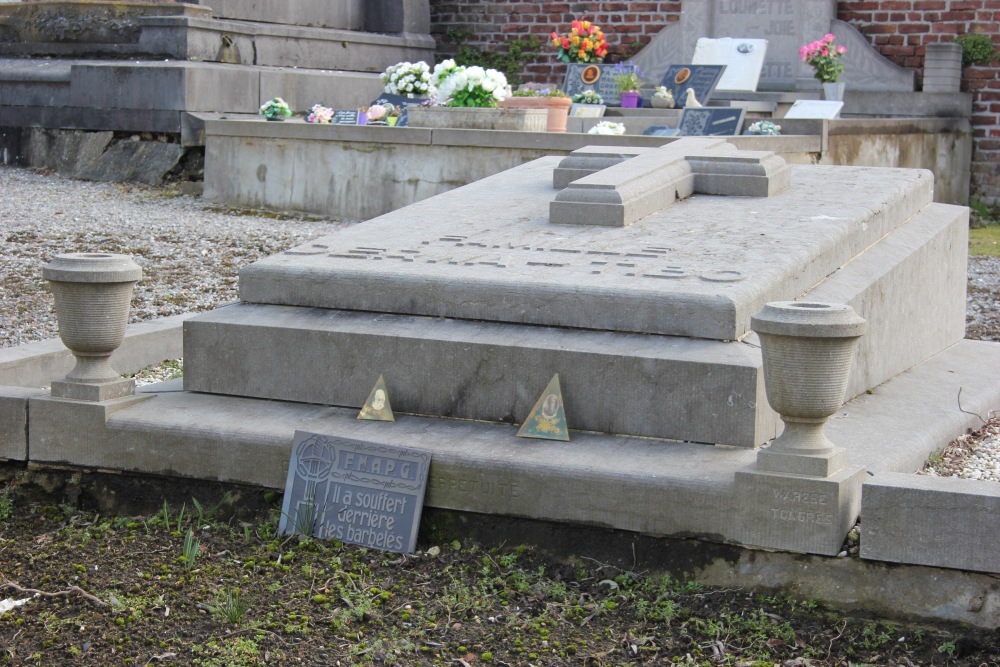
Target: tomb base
point(90, 391)
point(797, 512)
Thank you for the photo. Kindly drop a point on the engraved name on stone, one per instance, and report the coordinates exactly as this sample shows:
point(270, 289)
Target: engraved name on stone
point(485, 250)
point(801, 507)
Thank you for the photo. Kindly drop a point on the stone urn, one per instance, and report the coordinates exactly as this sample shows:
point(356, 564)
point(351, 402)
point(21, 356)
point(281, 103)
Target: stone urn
point(807, 352)
point(92, 293)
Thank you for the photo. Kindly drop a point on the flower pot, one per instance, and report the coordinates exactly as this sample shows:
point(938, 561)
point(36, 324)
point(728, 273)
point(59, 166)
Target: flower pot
point(661, 102)
point(475, 118)
point(630, 99)
point(93, 292)
point(807, 352)
point(275, 118)
point(556, 108)
point(833, 91)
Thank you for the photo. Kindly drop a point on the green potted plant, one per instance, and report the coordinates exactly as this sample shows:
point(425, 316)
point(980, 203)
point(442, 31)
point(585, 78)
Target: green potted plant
point(628, 80)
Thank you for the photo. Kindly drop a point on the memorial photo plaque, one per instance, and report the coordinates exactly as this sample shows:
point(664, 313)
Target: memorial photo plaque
point(720, 121)
point(702, 78)
point(354, 491)
point(401, 102)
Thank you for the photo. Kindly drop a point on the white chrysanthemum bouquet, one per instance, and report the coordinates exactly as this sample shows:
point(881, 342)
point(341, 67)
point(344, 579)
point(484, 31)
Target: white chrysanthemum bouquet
point(408, 79)
point(461, 86)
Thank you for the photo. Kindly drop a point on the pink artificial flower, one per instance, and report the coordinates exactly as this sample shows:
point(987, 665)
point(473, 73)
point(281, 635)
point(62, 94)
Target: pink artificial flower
point(829, 37)
point(841, 49)
point(375, 112)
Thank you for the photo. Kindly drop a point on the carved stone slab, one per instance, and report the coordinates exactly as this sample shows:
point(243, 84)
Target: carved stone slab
point(624, 193)
point(699, 267)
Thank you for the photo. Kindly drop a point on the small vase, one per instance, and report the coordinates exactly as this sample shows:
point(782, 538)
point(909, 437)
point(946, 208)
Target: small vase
point(630, 99)
point(362, 119)
point(833, 91)
point(92, 292)
point(275, 118)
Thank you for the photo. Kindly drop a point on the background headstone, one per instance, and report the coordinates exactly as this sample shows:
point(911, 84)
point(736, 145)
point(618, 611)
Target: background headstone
point(590, 76)
point(786, 25)
point(743, 59)
point(702, 78)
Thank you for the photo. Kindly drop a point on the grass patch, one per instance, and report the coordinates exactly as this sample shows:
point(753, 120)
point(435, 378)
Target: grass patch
point(985, 241)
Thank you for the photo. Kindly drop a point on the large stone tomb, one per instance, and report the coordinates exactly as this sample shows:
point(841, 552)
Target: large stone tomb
point(634, 279)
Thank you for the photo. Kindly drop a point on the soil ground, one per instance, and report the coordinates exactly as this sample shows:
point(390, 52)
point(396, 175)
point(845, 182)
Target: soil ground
point(183, 587)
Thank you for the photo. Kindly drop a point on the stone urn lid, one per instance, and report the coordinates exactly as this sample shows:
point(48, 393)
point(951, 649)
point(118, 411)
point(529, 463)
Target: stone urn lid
point(92, 267)
point(808, 319)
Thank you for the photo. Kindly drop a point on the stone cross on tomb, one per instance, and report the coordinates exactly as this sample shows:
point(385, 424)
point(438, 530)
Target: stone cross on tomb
point(615, 187)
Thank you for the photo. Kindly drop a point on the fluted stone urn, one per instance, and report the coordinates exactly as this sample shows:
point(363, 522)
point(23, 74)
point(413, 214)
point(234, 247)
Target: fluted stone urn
point(807, 349)
point(92, 293)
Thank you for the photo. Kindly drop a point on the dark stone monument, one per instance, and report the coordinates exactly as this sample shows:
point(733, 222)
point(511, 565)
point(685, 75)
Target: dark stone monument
point(711, 122)
point(701, 78)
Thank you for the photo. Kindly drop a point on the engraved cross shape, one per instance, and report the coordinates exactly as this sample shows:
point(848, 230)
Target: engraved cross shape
point(615, 187)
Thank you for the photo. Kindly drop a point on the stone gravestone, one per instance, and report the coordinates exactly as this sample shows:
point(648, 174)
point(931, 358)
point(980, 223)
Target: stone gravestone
point(591, 76)
point(786, 25)
point(702, 78)
point(743, 59)
point(353, 491)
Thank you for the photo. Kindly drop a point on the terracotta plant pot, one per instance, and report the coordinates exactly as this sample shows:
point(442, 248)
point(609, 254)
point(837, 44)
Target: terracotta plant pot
point(557, 109)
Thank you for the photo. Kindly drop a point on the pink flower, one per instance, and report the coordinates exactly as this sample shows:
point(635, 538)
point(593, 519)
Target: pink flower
point(829, 37)
point(841, 49)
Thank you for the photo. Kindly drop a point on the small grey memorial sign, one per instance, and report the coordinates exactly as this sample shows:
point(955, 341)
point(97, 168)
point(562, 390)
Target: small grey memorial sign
point(353, 491)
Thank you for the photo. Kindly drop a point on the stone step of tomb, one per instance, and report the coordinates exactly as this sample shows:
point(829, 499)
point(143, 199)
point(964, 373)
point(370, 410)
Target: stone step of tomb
point(206, 39)
point(154, 96)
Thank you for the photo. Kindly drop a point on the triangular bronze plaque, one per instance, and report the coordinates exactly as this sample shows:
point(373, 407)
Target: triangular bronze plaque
point(377, 407)
point(547, 420)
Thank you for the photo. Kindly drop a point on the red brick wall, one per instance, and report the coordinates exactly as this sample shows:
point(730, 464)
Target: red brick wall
point(899, 29)
point(628, 26)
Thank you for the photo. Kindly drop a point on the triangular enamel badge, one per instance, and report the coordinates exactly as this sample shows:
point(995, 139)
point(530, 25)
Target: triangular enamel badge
point(377, 407)
point(547, 420)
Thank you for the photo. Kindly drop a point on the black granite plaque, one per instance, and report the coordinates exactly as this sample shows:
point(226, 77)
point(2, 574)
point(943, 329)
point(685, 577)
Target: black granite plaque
point(354, 491)
point(701, 78)
point(591, 76)
point(712, 121)
point(344, 117)
point(400, 101)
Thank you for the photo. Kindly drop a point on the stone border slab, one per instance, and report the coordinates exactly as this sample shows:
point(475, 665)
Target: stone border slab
point(931, 521)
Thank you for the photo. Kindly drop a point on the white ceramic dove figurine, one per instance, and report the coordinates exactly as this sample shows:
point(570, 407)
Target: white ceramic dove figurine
point(690, 101)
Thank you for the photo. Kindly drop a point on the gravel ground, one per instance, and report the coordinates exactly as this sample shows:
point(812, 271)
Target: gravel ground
point(191, 252)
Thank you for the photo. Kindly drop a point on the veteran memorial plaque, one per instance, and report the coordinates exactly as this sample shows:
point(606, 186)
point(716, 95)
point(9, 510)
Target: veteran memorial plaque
point(353, 491)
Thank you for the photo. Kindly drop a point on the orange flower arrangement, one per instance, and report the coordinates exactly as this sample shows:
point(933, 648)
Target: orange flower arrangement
point(584, 43)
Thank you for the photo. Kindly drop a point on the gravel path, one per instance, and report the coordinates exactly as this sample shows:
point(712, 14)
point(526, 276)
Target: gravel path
point(191, 253)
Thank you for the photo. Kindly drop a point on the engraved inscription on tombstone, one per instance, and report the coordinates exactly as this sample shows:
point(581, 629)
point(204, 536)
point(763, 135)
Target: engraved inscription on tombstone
point(722, 121)
point(780, 22)
point(354, 491)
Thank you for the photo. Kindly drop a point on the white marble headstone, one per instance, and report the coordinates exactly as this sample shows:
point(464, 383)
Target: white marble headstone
point(815, 109)
point(743, 59)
